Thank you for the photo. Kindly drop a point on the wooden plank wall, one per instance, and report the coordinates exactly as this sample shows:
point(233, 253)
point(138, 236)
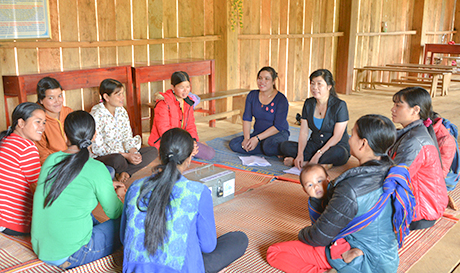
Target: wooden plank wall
point(295, 37)
point(120, 32)
point(377, 48)
point(440, 20)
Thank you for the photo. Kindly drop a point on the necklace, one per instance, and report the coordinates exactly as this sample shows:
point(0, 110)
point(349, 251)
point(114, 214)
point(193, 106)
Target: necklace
point(320, 111)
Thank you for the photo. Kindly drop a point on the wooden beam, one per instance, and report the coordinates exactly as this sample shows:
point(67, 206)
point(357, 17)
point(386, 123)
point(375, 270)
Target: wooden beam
point(348, 24)
point(85, 44)
point(288, 36)
point(392, 33)
point(456, 36)
point(226, 50)
point(419, 23)
point(440, 32)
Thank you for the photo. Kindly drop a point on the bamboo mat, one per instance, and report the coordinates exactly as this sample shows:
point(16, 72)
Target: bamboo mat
point(277, 211)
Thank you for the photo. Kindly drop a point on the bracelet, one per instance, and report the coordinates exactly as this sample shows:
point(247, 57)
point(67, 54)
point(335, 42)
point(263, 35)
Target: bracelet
point(258, 138)
point(319, 151)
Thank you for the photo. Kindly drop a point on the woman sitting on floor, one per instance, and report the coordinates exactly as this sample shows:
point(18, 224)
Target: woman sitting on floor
point(20, 167)
point(176, 111)
point(416, 146)
point(357, 208)
point(178, 215)
point(49, 95)
point(327, 117)
point(71, 183)
point(269, 109)
point(115, 145)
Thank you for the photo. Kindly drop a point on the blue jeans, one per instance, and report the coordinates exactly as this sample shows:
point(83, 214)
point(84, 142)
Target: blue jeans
point(111, 171)
point(268, 146)
point(104, 241)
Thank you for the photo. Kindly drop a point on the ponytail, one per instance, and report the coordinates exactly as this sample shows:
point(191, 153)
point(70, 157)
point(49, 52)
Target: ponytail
point(79, 127)
point(155, 194)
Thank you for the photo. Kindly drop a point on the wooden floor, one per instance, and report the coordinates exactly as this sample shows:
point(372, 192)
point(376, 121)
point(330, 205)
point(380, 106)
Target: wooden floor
point(445, 256)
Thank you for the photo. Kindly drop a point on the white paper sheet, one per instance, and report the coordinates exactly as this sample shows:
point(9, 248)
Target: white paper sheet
point(293, 170)
point(254, 161)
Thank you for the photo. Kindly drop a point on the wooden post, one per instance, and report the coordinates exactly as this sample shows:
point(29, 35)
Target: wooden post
point(456, 37)
point(2, 100)
point(419, 24)
point(348, 16)
point(226, 52)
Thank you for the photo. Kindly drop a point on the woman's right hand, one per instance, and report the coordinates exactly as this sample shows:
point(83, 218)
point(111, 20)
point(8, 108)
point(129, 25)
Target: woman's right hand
point(133, 157)
point(120, 189)
point(195, 149)
point(298, 161)
point(244, 144)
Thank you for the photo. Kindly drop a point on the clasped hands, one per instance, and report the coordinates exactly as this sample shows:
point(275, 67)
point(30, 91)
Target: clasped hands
point(249, 144)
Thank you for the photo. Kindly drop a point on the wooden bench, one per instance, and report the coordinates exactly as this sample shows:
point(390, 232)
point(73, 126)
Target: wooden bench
point(227, 94)
point(160, 72)
point(435, 75)
point(22, 85)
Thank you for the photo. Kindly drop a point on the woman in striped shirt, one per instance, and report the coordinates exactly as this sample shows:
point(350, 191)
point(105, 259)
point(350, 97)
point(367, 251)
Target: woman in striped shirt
point(20, 167)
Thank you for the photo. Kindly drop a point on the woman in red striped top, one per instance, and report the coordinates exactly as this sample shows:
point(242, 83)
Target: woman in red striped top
point(20, 167)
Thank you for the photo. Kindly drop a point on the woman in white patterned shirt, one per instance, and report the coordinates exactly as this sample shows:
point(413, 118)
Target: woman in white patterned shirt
point(115, 144)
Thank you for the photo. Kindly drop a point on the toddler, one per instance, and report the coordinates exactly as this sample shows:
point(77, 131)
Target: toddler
point(314, 180)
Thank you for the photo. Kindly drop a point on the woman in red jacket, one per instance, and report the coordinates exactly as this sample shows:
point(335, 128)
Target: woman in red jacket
point(176, 110)
point(417, 147)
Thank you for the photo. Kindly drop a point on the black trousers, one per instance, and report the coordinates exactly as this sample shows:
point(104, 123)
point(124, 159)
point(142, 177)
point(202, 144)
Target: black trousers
point(120, 164)
point(336, 155)
point(230, 247)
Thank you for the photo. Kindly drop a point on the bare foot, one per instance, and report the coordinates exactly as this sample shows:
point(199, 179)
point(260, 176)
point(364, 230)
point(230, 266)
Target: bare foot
point(451, 204)
point(123, 177)
point(289, 161)
point(327, 166)
point(351, 254)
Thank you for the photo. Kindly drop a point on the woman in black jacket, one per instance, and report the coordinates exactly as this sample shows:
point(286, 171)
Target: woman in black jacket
point(349, 196)
point(327, 117)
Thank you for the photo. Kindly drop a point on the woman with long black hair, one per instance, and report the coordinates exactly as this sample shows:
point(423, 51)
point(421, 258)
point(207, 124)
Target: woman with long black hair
point(71, 183)
point(20, 167)
point(416, 146)
point(168, 221)
point(370, 206)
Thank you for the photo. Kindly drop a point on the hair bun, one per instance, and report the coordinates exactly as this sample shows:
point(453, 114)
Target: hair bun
point(85, 143)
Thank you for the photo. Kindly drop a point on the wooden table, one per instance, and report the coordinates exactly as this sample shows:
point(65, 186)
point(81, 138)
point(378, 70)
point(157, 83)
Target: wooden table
point(160, 72)
point(435, 74)
point(22, 85)
point(439, 48)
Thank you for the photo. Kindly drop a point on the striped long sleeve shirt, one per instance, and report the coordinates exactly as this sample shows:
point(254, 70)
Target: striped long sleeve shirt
point(19, 167)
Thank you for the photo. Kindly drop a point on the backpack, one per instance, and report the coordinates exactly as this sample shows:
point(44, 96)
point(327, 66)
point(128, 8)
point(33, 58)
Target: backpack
point(454, 173)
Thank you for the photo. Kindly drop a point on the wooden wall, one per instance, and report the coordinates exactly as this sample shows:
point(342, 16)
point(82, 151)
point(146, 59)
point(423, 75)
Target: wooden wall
point(409, 25)
point(374, 47)
point(295, 37)
point(440, 21)
point(100, 33)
